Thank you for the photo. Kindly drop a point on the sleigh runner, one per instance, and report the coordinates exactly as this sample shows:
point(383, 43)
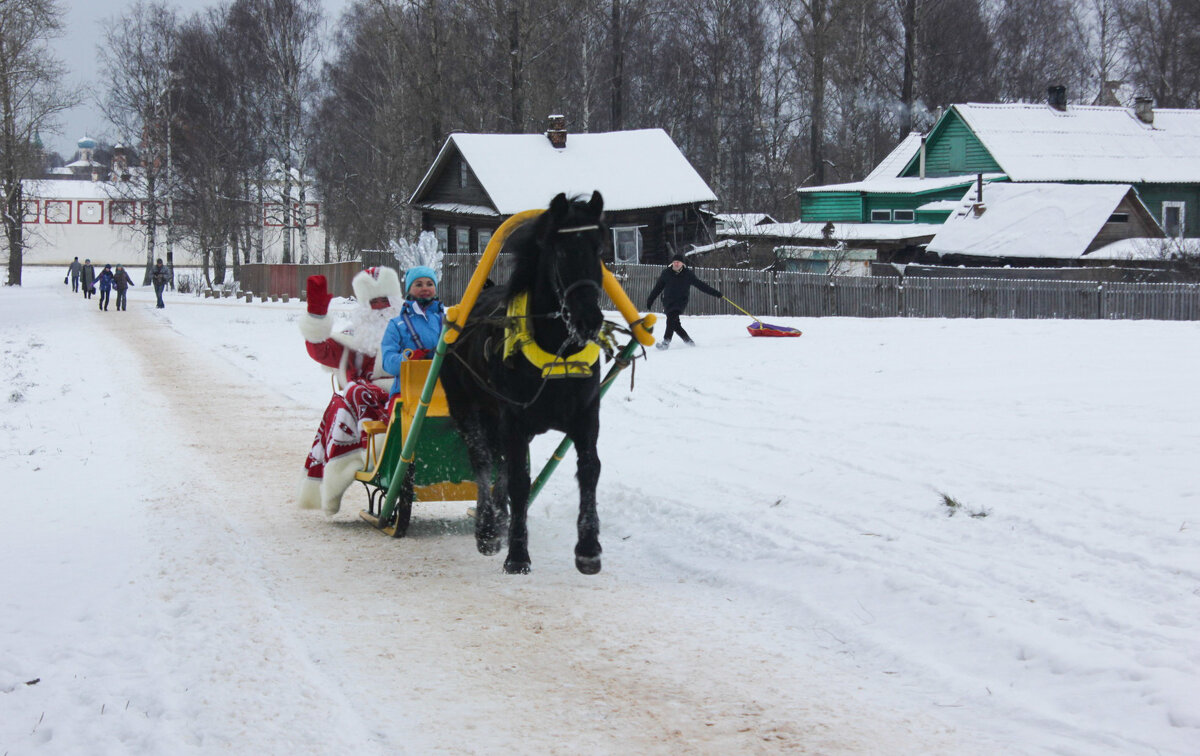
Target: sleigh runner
point(441, 471)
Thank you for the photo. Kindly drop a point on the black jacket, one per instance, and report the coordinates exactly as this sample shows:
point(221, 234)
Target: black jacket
point(675, 288)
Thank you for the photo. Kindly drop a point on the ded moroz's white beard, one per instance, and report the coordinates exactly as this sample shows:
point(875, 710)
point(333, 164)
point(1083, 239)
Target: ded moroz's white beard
point(367, 327)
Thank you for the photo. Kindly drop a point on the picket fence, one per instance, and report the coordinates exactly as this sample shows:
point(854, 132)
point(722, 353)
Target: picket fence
point(772, 294)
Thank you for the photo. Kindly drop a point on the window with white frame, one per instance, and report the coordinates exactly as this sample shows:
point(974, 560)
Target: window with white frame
point(903, 216)
point(462, 237)
point(1173, 219)
point(443, 238)
point(881, 216)
point(627, 244)
point(484, 235)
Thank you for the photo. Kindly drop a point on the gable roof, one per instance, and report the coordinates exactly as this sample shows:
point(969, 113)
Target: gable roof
point(899, 157)
point(901, 184)
point(1033, 142)
point(632, 169)
point(743, 220)
point(847, 232)
point(1031, 220)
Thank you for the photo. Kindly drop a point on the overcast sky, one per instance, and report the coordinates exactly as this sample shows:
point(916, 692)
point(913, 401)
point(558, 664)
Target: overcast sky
point(83, 32)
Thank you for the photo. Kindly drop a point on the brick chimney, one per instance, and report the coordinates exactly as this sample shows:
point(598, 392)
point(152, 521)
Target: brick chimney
point(557, 131)
point(1143, 108)
point(1056, 97)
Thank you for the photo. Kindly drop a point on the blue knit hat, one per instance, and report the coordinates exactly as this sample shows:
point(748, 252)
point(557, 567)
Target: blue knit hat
point(418, 271)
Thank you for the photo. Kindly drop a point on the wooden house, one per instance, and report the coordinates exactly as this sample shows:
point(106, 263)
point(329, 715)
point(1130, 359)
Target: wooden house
point(1034, 224)
point(653, 197)
point(1045, 146)
point(1157, 152)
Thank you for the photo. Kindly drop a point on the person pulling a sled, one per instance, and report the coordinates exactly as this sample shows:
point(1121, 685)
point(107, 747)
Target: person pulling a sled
point(414, 333)
point(675, 284)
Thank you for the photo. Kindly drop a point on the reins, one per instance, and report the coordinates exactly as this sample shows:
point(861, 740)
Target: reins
point(574, 339)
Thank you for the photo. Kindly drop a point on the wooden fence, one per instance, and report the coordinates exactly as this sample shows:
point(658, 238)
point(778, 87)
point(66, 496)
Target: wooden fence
point(811, 295)
point(264, 279)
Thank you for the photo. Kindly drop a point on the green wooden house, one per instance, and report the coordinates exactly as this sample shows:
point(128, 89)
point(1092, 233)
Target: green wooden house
point(1157, 152)
point(1043, 145)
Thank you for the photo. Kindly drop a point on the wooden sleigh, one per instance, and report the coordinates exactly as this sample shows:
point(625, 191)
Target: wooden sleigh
point(439, 467)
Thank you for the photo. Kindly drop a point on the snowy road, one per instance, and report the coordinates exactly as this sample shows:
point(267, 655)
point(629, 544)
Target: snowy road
point(425, 644)
point(780, 574)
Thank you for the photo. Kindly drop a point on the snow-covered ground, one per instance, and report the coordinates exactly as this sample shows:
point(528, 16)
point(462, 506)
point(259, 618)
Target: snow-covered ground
point(782, 572)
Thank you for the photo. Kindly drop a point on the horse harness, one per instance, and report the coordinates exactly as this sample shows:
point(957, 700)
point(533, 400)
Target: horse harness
point(519, 338)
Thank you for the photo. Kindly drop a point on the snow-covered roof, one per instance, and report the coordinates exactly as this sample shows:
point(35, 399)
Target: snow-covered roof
point(1088, 143)
point(903, 185)
point(891, 165)
point(940, 206)
point(1145, 249)
point(841, 231)
point(460, 208)
point(1029, 220)
point(632, 169)
point(712, 247)
point(66, 189)
point(743, 219)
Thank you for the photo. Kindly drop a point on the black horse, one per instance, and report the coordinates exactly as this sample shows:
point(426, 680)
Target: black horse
point(500, 399)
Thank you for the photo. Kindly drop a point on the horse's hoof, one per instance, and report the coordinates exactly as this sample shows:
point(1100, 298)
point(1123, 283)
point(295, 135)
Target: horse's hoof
point(488, 546)
point(587, 565)
point(516, 568)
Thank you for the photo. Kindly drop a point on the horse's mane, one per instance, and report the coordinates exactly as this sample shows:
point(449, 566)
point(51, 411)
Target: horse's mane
point(527, 242)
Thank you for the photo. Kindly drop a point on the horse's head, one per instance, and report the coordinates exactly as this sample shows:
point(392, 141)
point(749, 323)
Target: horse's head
point(566, 274)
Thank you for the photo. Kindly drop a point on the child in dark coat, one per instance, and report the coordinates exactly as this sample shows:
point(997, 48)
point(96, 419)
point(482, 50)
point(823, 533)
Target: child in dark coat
point(675, 284)
point(122, 282)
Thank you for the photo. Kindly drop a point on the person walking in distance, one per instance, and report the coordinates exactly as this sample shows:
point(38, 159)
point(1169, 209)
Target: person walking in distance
point(122, 282)
point(675, 284)
point(105, 282)
point(87, 278)
point(73, 272)
point(159, 277)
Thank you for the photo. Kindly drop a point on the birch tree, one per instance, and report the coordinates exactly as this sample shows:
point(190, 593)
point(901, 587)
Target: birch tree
point(32, 94)
point(140, 47)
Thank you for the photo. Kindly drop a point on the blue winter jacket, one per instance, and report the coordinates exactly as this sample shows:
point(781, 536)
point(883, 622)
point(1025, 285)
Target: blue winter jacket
point(105, 280)
point(399, 339)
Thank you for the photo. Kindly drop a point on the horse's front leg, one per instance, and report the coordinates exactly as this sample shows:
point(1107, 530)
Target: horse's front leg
point(587, 548)
point(488, 526)
point(516, 456)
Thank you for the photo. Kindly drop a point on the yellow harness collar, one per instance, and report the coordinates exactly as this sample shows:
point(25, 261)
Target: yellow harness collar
point(518, 338)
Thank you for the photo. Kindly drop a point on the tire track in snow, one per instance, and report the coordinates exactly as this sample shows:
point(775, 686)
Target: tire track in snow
point(423, 644)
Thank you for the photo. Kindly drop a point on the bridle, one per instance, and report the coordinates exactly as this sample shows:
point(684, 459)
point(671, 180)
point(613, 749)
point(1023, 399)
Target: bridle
point(562, 291)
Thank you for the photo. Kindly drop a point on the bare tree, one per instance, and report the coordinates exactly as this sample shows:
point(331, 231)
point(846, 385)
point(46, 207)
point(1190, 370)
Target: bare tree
point(1161, 42)
point(1036, 47)
point(282, 38)
point(31, 95)
point(209, 143)
point(139, 49)
point(955, 57)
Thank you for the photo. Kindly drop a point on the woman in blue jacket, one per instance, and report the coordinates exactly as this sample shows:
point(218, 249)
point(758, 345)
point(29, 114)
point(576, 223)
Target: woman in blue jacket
point(414, 333)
